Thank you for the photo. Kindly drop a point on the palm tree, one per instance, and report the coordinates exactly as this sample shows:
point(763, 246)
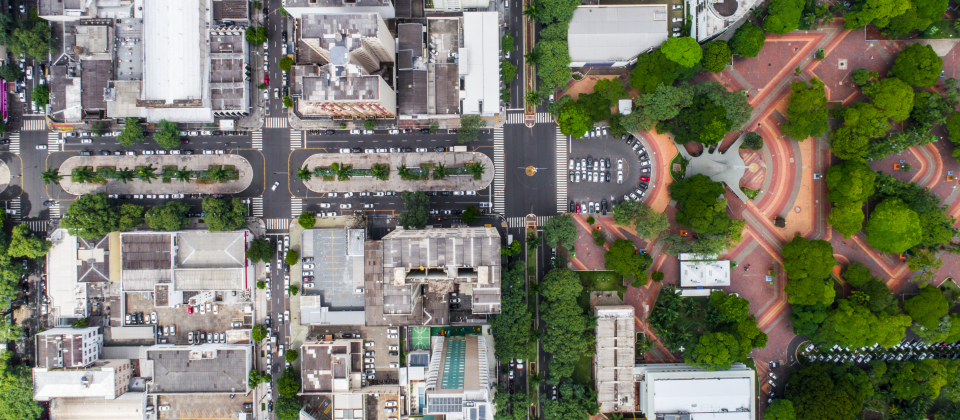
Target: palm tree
point(477, 169)
point(403, 171)
point(530, 11)
point(345, 172)
point(304, 174)
point(183, 175)
point(125, 175)
point(82, 174)
point(533, 98)
point(440, 172)
point(147, 173)
point(218, 174)
point(380, 171)
point(51, 176)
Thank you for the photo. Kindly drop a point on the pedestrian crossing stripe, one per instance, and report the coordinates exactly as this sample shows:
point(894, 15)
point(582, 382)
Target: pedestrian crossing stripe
point(561, 174)
point(53, 141)
point(296, 139)
point(521, 221)
point(514, 118)
point(15, 205)
point(256, 139)
point(277, 224)
point(296, 207)
point(34, 125)
point(55, 211)
point(499, 163)
point(518, 117)
point(276, 122)
point(15, 143)
point(37, 226)
point(544, 118)
point(257, 204)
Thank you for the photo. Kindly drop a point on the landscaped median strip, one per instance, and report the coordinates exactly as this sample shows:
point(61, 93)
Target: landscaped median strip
point(435, 171)
point(135, 174)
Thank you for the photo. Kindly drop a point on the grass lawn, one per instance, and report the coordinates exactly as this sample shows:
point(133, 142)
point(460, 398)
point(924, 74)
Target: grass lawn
point(599, 281)
point(678, 175)
point(581, 373)
point(750, 193)
point(944, 29)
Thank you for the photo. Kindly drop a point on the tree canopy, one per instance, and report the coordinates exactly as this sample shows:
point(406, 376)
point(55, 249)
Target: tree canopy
point(854, 325)
point(91, 216)
point(579, 402)
point(289, 383)
point(167, 136)
point(703, 122)
point(307, 220)
point(23, 243)
point(918, 65)
point(256, 35)
point(783, 16)
point(861, 122)
point(847, 218)
point(416, 206)
point(560, 229)
point(780, 409)
point(748, 40)
point(893, 227)
point(716, 56)
point(807, 114)
point(808, 263)
point(31, 37)
point(653, 69)
point(683, 50)
point(549, 11)
point(258, 333)
point(553, 61)
point(702, 207)
point(470, 214)
point(565, 337)
point(714, 351)
point(16, 386)
point(470, 126)
point(224, 214)
point(260, 250)
point(574, 119)
point(624, 259)
point(132, 133)
point(820, 391)
point(850, 182)
point(511, 327)
point(893, 96)
point(169, 216)
point(647, 222)
point(877, 12)
point(927, 306)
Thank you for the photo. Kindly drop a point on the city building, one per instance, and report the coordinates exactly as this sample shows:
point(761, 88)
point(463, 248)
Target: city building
point(613, 36)
point(298, 8)
point(199, 369)
point(106, 379)
point(703, 272)
point(332, 366)
point(479, 64)
point(615, 352)
point(458, 383)
point(712, 18)
point(418, 269)
point(178, 60)
point(68, 347)
point(678, 390)
point(453, 6)
point(342, 61)
point(337, 295)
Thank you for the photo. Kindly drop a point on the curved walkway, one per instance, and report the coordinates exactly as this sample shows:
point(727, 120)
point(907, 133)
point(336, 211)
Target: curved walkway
point(192, 162)
point(450, 160)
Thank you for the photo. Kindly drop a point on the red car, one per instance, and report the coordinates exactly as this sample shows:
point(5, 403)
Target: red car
point(644, 179)
point(266, 79)
point(578, 209)
point(189, 309)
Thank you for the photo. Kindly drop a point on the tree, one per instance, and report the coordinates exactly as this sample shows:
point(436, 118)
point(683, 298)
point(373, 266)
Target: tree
point(16, 386)
point(470, 126)
point(560, 229)
point(877, 12)
point(553, 62)
point(131, 216)
point(861, 122)
point(723, 308)
point(292, 257)
point(850, 182)
point(927, 306)
point(168, 136)
point(287, 408)
point(806, 319)
point(624, 259)
point(258, 333)
point(893, 227)
point(918, 65)
point(511, 327)
point(647, 222)
point(813, 384)
point(506, 43)
point(51, 176)
point(132, 132)
point(579, 402)
point(80, 323)
point(666, 101)
point(807, 114)
point(224, 215)
point(783, 16)
point(779, 409)
point(171, 216)
point(807, 264)
point(916, 379)
point(256, 35)
point(24, 243)
point(91, 216)
point(714, 351)
point(703, 122)
point(854, 325)
point(549, 11)
point(508, 72)
point(747, 40)
point(31, 38)
point(289, 383)
point(653, 69)
point(41, 96)
point(565, 337)
point(257, 378)
point(716, 56)
point(10, 72)
point(574, 120)
point(702, 207)
point(287, 102)
point(893, 96)
point(752, 141)
point(261, 285)
point(285, 63)
point(847, 218)
point(470, 214)
point(953, 127)
point(290, 355)
point(611, 90)
point(307, 220)
point(862, 76)
point(260, 250)
point(416, 207)
point(683, 50)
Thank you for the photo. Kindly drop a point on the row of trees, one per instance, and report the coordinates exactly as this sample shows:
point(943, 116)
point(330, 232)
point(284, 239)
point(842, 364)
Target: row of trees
point(896, 18)
point(567, 336)
point(166, 135)
point(381, 171)
point(86, 174)
point(512, 326)
point(550, 54)
point(577, 117)
point(94, 215)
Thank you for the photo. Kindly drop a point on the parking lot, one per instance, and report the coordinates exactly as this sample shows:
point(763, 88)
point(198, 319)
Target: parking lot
point(205, 406)
point(381, 349)
point(621, 154)
point(185, 323)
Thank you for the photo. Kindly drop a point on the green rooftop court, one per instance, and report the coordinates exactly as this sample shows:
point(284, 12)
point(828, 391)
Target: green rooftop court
point(455, 352)
point(420, 338)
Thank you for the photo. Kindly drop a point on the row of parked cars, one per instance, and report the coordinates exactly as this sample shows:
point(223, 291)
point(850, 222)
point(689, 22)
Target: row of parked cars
point(138, 318)
point(589, 207)
point(150, 152)
point(392, 150)
point(199, 337)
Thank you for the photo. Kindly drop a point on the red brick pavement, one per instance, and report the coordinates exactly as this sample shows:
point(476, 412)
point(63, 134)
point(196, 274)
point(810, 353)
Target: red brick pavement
point(852, 47)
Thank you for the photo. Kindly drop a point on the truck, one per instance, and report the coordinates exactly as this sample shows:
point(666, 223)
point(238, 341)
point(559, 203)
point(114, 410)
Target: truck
point(458, 149)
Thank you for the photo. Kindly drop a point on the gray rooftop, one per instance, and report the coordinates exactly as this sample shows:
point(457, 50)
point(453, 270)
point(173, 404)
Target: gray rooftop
point(199, 369)
point(146, 259)
point(615, 33)
point(339, 267)
point(93, 257)
point(230, 9)
point(326, 26)
point(411, 91)
point(448, 89)
point(335, 3)
point(350, 86)
point(96, 75)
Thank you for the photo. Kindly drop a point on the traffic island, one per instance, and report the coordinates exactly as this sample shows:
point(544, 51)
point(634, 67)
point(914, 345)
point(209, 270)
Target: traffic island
point(171, 174)
point(354, 172)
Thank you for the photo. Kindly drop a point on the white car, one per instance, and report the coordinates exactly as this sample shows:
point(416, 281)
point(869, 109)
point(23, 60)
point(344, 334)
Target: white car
point(394, 131)
point(286, 316)
point(354, 131)
point(348, 195)
point(41, 147)
point(619, 177)
point(86, 141)
point(308, 285)
point(345, 150)
point(571, 164)
point(390, 403)
point(216, 309)
point(324, 205)
point(368, 206)
point(148, 152)
point(422, 150)
point(393, 336)
point(619, 164)
point(275, 185)
point(393, 348)
point(346, 206)
point(368, 132)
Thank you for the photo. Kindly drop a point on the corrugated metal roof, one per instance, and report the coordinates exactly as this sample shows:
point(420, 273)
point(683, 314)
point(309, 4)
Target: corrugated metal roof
point(615, 33)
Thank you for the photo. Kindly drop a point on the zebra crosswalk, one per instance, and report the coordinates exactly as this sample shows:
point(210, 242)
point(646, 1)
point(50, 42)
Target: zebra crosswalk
point(498, 168)
point(296, 139)
point(561, 174)
point(519, 222)
point(34, 125)
point(296, 207)
point(55, 211)
point(277, 224)
point(53, 140)
point(544, 118)
point(276, 122)
point(256, 138)
point(15, 143)
point(517, 118)
point(257, 204)
point(37, 226)
point(15, 206)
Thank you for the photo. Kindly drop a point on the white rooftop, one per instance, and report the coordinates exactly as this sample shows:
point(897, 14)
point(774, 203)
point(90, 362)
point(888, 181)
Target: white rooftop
point(68, 297)
point(480, 63)
point(603, 34)
point(704, 273)
point(672, 388)
point(73, 383)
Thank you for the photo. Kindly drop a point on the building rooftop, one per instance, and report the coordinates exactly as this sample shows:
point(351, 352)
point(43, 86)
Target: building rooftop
point(93, 259)
point(681, 388)
point(602, 34)
point(93, 81)
point(339, 265)
point(207, 368)
point(87, 383)
point(615, 355)
point(479, 63)
point(343, 84)
point(94, 41)
point(350, 26)
point(68, 297)
point(128, 406)
point(331, 366)
point(62, 347)
point(230, 9)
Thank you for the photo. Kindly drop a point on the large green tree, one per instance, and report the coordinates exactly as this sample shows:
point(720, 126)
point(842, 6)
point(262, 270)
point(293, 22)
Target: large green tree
point(847, 218)
point(170, 216)
point(702, 207)
point(167, 136)
point(850, 182)
point(647, 222)
point(132, 133)
point(256, 35)
point(918, 65)
point(683, 50)
point(307, 220)
point(747, 40)
point(624, 259)
point(574, 120)
point(16, 386)
point(893, 227)
point(714, 351)
point(416, 206)
point(288, 408)
point(821, 391)
point(550, 11)
point(289, 383)
point(654, 69)
point(666, 101)
point(877, 12)
point(854, 325)
point(927, 306)
point(224, 214)
point(579, 402)
point(131, 216)
point(780, 409)
point(716, 56)
point(783, 16)
point(91, 216)
point(703, 122)
point(565, 336)
point(260, 250)
point(861, 122)
point(808, 263)
point(23, 243)
point(511, 327)
point(560, 229)
point(893, 96)
point(470, 126)
point(553, 63)
point(807, 114)
point(915, 379)
point(31, 37)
